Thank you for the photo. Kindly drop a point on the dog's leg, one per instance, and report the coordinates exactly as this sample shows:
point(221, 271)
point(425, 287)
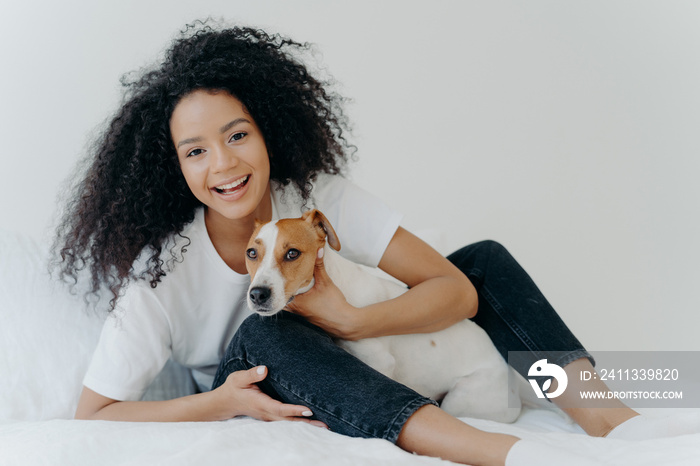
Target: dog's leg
point(484, 395)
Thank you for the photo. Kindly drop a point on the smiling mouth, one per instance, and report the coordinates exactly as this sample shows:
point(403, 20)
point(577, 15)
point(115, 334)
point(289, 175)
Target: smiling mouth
point(232, 187)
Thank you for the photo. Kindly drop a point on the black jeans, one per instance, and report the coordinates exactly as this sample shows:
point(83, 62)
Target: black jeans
point(307, 368)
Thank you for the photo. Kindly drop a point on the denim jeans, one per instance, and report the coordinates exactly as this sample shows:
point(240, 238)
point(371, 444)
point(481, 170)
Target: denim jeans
point(513, 311)
point(305, 367)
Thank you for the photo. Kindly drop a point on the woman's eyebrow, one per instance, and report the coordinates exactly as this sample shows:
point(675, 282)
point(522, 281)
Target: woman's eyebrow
point(231, 124)
point(188, 141)
point(223, 129)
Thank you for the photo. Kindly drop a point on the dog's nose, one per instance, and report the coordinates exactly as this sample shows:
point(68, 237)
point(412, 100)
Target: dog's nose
point(259, 295)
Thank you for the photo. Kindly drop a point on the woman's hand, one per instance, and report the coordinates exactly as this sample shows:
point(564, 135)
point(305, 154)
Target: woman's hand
point(325, 306)
point(246, 399)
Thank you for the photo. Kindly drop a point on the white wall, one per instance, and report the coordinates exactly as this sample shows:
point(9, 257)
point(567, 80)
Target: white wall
point(569, 131)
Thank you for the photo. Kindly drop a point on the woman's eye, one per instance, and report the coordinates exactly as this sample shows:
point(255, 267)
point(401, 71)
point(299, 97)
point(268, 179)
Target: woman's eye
point(252, 254)
point(292, 254)
point(237, 136)
point(194, 152)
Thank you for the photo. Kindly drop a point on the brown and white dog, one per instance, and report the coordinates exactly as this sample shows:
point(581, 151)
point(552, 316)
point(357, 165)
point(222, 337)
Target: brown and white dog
point(458, 366)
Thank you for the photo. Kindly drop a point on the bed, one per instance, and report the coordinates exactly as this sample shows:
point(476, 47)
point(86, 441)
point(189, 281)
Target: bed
point(47, 337)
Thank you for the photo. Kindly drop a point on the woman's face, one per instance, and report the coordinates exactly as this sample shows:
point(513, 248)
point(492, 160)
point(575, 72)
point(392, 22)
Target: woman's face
point(222, 153)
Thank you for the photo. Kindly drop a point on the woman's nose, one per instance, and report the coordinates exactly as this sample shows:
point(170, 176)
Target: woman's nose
point(223, 159)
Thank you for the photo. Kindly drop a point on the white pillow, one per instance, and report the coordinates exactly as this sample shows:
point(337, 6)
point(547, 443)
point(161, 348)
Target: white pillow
point(47, 337)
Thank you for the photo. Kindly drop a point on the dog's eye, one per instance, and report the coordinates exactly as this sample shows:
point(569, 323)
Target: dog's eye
point(252, 254)
point(292, 254)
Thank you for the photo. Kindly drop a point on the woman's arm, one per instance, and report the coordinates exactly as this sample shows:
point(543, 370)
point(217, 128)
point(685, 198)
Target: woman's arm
point(200, 407)
point(439, 295)
point(238, 396)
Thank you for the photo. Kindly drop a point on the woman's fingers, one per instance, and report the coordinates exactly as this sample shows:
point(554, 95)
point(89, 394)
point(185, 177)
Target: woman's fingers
point(283, 410)
point(266, 408)
point(279, 411)
point(317, 424)
point(244, 379)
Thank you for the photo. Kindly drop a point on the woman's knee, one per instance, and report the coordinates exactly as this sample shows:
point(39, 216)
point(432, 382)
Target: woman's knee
point(279, 327)
point(492, 247)
point(480, 247)
point(265, 337)
point(255, 325)
point(474, 258)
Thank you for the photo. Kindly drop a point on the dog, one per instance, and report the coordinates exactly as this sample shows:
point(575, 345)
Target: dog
point(458, 366)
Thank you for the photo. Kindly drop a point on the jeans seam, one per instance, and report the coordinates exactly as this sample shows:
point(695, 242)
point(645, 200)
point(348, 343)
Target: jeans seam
point(574, 355)
point(563, 361)
point(392, 433)
point(477, 274)
point(498, 308)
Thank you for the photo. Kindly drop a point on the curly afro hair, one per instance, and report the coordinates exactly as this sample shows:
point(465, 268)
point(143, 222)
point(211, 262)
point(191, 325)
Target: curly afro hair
point(134, 196)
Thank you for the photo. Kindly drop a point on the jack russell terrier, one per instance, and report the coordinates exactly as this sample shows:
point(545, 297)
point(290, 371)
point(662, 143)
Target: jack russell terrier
point(458, 366)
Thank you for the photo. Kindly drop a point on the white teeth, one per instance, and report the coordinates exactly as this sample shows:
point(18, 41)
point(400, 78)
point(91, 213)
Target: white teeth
point(232, 185)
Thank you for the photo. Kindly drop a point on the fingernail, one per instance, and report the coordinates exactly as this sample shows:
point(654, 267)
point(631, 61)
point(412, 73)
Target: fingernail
point(307, 413)
point(320, 253)
point(261, 370)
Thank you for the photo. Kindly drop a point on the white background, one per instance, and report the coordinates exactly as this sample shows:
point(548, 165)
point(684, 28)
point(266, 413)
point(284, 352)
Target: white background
point(568, 131)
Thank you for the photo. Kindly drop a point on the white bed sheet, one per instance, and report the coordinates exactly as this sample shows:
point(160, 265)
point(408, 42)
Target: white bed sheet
point(247, 441)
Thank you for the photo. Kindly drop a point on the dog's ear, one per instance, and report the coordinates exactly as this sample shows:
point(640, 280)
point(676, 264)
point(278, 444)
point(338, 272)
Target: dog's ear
point(323, 226)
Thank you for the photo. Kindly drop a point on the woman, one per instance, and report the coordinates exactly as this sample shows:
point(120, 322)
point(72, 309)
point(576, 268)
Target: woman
point(230, 128)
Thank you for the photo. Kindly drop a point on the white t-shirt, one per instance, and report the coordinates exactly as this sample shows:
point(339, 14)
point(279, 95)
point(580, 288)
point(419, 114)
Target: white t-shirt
point(191, 316)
